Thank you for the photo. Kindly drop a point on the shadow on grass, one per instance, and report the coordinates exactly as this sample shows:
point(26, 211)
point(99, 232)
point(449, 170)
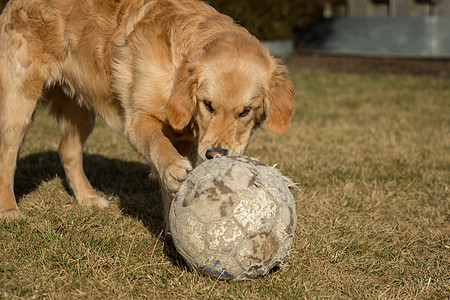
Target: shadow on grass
point(130, 181)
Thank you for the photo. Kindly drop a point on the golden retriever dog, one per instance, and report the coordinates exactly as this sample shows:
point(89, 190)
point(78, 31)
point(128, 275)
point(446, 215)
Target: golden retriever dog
point(179, 79)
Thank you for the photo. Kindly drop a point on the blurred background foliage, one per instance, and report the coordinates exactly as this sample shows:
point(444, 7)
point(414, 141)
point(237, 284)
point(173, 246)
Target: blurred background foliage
point(2, 4)
point(269, 19)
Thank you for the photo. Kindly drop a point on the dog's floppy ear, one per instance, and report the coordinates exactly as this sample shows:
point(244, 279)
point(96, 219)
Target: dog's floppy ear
point(279, 103)
point(181, 104)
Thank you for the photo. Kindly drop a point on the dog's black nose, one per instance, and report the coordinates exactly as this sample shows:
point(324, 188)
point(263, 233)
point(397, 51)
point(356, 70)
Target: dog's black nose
point(213, 152)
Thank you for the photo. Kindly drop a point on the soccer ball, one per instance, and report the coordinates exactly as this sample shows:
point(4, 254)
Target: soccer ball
point(234, 217)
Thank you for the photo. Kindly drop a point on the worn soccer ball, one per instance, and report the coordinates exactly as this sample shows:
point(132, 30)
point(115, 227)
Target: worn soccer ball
point(234, 217)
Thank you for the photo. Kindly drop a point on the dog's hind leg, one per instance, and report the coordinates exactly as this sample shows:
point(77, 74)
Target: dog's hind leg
point(76, 124)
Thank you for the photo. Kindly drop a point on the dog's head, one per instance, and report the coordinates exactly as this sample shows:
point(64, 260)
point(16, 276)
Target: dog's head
point(228, 90)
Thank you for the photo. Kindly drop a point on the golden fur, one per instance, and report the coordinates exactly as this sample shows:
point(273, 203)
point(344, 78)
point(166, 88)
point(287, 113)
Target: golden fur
point(181, 81)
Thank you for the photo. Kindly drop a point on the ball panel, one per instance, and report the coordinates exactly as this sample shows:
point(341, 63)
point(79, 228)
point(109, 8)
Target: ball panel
point(212, 199)
point(247, 160)
point(224, 236)
point(185, 194)
point(286, 221)
point(187, 232)
point(241, 176)
point(223, 266)
point(255, 211)
point(257, 253)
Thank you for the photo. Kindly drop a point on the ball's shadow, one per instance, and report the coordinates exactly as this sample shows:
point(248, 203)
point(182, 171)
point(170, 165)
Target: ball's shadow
point(139, 194)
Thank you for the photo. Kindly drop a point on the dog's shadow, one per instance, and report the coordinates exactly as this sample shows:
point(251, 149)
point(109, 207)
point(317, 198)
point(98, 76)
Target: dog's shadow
point(139, 194)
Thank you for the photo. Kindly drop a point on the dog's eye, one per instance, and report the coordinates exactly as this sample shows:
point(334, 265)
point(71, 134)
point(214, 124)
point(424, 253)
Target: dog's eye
point(208, 105)
point(244, 112)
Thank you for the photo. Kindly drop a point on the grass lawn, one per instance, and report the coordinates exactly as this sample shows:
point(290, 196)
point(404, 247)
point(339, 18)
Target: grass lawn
point(371, 153)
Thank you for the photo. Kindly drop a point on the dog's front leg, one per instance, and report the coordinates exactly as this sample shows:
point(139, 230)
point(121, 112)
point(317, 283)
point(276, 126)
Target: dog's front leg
point(146, 134)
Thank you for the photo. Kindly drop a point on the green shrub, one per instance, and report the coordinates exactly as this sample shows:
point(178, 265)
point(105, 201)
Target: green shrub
point(266, 19)
point(269, 19)
point(2, 4)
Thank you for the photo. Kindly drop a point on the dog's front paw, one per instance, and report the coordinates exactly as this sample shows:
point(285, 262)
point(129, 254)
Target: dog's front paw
point(175, 173)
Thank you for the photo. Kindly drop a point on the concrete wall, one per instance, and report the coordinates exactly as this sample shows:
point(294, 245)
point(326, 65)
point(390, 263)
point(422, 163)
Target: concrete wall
point(381, 36)
point(391, 8)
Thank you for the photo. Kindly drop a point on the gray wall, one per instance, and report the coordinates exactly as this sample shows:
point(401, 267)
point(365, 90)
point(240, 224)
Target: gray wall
point(381, 36)
point(392, 8)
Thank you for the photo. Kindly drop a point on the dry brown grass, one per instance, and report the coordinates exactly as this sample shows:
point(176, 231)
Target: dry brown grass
point(371, 153)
